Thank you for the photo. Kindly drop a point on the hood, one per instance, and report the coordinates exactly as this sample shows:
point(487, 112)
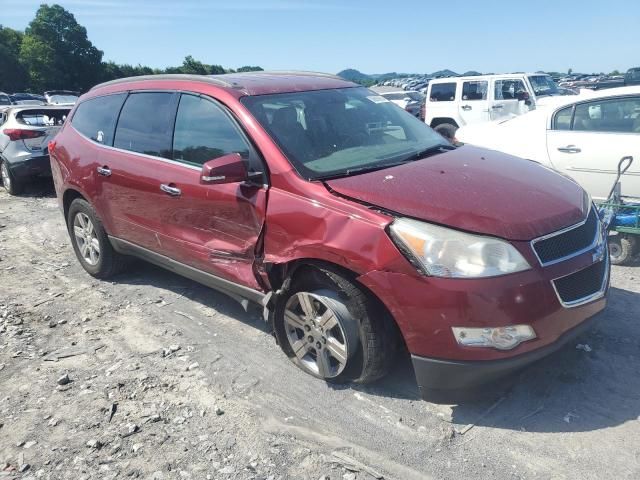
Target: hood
point(476, 190)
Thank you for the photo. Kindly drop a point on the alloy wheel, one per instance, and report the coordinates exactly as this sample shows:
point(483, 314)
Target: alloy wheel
point(315, 334)
point(86, 239)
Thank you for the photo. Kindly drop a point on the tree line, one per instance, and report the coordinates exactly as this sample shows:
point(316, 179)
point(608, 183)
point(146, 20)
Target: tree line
point(54, 52)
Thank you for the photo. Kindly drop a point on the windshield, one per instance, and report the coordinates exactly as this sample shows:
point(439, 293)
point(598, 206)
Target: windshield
point(329, 133)
point(543, 85)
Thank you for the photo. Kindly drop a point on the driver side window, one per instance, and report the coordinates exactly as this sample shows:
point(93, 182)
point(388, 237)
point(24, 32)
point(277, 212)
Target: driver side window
point(203, 132)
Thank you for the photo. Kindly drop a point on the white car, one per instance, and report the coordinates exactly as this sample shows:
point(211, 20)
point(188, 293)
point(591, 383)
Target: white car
point(408, 100)
point(457, 101)
point(583, 137)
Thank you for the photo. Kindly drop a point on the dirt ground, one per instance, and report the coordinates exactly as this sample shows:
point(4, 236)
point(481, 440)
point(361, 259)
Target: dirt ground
point(153, 376)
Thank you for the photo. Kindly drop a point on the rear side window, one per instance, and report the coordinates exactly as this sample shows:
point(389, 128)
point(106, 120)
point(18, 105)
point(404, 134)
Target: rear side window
point(474, 90)
point(146, 124)
point(96, 118)
point(204, 132)
point(563, 119)
point(620, 115)
point(443, 92)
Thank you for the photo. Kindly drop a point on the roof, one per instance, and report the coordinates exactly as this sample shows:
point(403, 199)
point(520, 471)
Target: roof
point(250, 83)
point(487, 77)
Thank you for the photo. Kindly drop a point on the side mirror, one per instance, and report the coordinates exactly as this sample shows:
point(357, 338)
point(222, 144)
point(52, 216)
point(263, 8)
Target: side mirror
point(229, 168)
point(521, 95)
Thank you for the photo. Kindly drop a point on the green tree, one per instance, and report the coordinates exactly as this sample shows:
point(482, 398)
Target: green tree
point(12, 74)
point(57, 53)
point(250, 69)
point(570, 71)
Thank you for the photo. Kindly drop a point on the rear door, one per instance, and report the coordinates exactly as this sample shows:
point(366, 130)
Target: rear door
point(586, 141)
point(474, 106)
point(129, 173)
point(505, 100)
point(441, 101)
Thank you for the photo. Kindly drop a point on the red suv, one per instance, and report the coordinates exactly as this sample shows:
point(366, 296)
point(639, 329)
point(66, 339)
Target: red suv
point(358, 228)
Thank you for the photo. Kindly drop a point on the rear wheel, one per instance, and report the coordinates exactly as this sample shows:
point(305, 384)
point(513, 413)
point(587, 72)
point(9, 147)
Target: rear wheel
point(332, 329)
point(12, 185)
point(90, 241)
point(621, 249)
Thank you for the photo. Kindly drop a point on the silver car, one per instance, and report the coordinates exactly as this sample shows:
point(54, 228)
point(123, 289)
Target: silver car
point(25, 132)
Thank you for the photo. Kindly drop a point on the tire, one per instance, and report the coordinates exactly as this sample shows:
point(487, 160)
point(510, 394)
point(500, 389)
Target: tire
point(11, 184)
point(621, 249)
point(99, 259)
point(447, 130)
point(367, 337)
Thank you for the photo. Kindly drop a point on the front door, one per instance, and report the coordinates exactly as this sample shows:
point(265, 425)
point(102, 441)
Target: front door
point(587, 143)
point(214, 228)
point(506, 101)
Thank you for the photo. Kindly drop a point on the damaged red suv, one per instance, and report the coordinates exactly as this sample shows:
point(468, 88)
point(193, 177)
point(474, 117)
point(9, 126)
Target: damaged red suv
point(357, 228)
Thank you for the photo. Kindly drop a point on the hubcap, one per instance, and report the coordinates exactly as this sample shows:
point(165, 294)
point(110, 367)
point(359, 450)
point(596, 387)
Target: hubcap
point(6, 180)
point(615, 250)
point(315, 335)
point(86, 239)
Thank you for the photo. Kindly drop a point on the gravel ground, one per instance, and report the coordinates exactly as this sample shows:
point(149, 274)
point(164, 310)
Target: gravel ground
point(153, 376)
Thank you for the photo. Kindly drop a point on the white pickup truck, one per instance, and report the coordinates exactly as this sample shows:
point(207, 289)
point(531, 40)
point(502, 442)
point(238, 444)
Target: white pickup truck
point(456, 101)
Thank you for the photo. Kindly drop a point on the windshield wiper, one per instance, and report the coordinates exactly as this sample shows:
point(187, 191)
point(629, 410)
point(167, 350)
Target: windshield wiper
point(427, 152)
point(356, 171)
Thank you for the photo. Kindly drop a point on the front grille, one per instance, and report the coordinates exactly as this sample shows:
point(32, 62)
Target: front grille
point(569, 242)
point(583, 284)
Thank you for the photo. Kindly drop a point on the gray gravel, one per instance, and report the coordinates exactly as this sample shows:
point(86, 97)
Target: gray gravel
point(169, 379)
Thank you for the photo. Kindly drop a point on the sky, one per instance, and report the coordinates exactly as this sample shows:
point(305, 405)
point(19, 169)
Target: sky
point(372, 36)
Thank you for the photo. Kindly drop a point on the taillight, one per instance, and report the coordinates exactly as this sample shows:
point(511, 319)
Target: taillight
point(51, 145)
point(21, 134)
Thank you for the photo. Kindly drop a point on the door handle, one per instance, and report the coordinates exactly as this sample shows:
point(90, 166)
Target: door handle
point(466, 107)
point(569, 149)
point(173, 191)
point(104, 171)
point(495, 107)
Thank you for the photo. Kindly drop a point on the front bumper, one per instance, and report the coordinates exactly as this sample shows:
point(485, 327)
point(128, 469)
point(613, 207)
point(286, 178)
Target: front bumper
point(425, 309)
point(450, 381)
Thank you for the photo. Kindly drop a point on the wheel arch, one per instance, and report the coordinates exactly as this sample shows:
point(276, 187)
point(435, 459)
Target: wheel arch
point(69, 195)
point(282, 275)
point(440, 120)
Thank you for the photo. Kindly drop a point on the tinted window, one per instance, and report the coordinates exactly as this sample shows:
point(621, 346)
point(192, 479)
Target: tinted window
point(563, 119)
point(508, 89)
point(146, 124)
point(474, 90)
point(443, 92)
point(619, 115)
point(204, 132)
point(96, 118)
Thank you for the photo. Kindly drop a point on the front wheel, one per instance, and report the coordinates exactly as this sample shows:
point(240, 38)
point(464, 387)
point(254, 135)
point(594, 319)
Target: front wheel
point(332, 329)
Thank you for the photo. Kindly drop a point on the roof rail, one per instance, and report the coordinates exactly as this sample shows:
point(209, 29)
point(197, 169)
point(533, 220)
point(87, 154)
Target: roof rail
point(214, 79)
point(294, 72)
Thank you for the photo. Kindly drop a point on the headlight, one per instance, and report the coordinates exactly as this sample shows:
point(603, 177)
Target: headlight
point(443, 252)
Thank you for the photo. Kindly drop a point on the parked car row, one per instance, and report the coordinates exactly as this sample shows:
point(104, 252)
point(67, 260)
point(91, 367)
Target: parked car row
point(410, 100)
point(52, 97)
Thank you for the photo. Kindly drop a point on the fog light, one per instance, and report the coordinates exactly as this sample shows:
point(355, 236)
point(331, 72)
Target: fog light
point(502, 338)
